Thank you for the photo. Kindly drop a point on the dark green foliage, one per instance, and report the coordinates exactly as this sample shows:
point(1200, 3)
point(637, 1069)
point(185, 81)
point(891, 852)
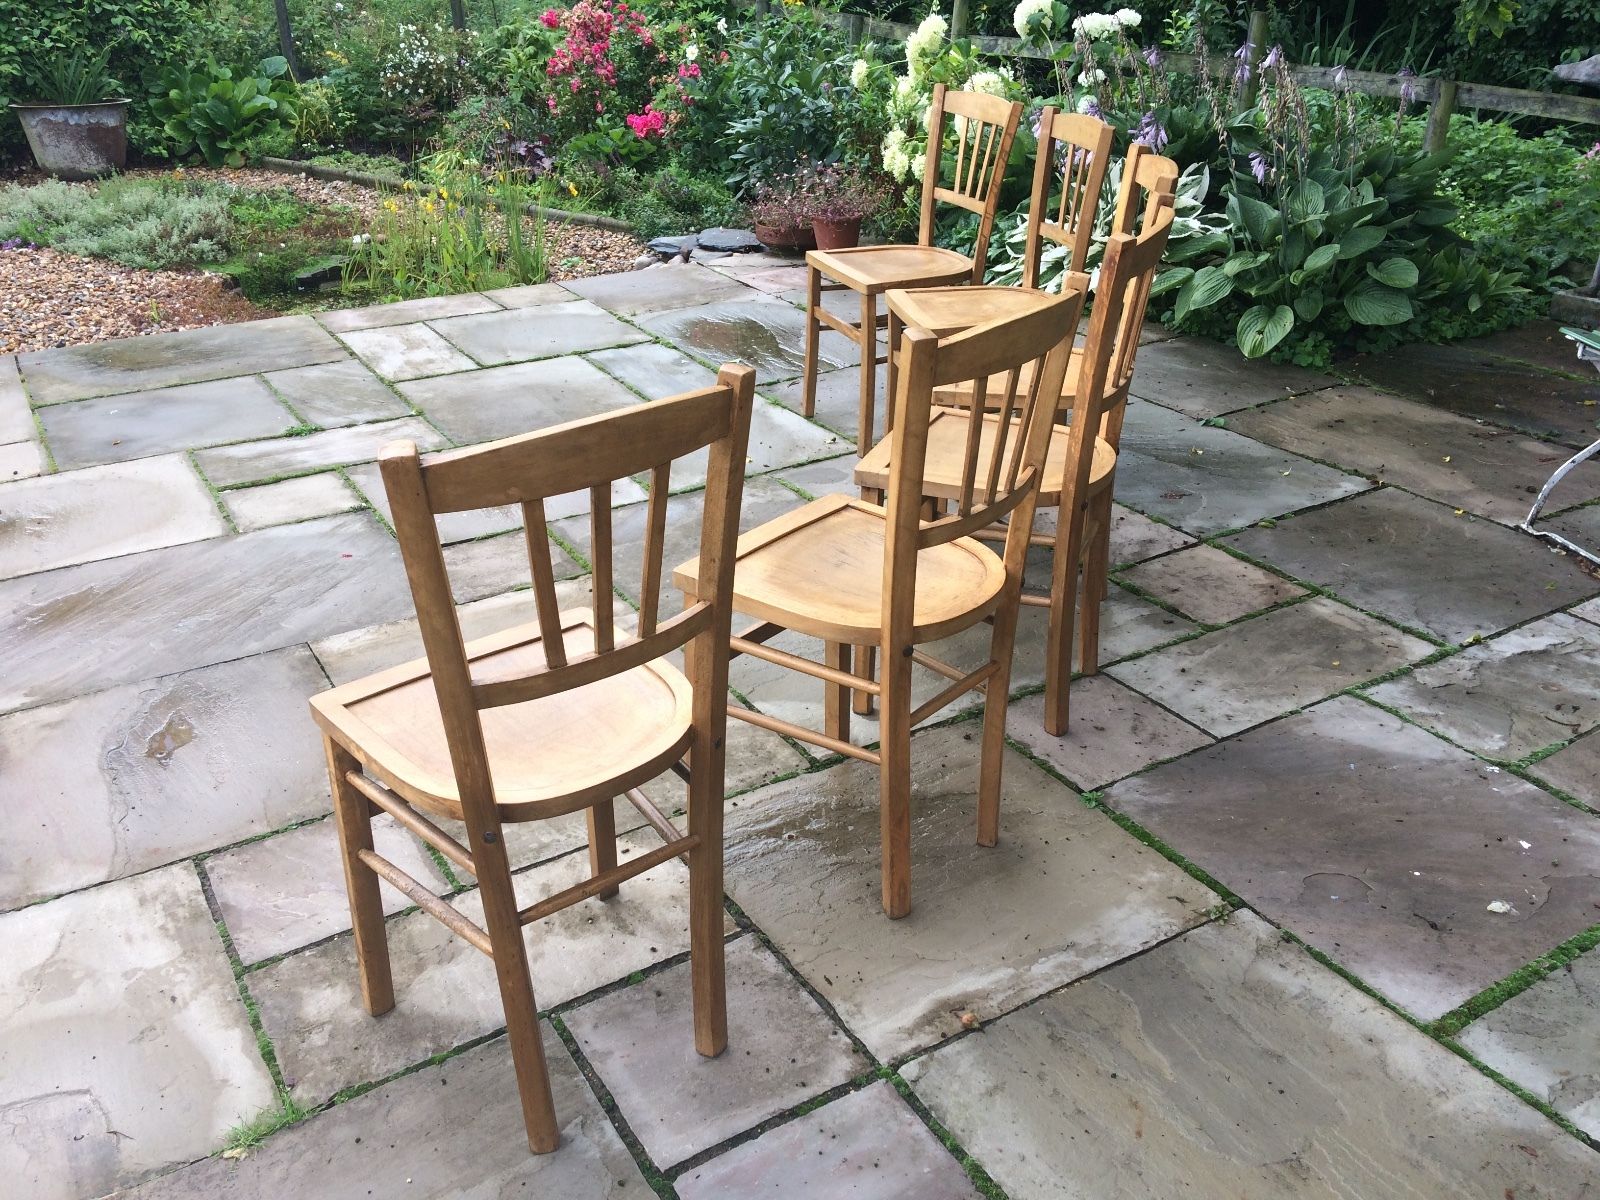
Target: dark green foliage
point(77, 78)
point(211, 113)
point(674, 201)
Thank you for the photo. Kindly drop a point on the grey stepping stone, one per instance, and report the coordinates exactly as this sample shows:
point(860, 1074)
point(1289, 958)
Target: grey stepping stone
point(1465, 380)
point(760, 331)
point(404, 312)
point(16, 416)
point(445, 990)
point(21, 460)
point(656, 289)
point(782, 1049)
point(124, 1047)
point(506, 401)
point(529, 294)
point(1574, 769)
point(1228, 1063)
point(281, 893)
point(1114, 732)
point(828, 477)
point(1211, 585)
point(839, 400)
point(256, 462)
point(868, 1145)
point(1523, 691)
point(541, 331)
point(118, 428)
point(341, 393)
point(1580, 526)
point(1421, 564)
point(407, 351)
point(1135, 537)
point(1539, 344)
point(1206, 480)
point(654, 371)
point(1382, 846)
point(1548, 1040)
point(298, 499)
point(163, 359)
point(127, 779)
point(102, 512)
point(1247, 673)
point(778, 281)
point(1485, 469)
point(498, 564)
point(729, 241)
point(187, 606)
point(1207, 379)
point(1064, 893)
point(408, 1138)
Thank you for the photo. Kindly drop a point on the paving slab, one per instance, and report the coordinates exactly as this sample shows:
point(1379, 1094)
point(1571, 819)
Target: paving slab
point(1382, 846)
point(653, 370)
point(1064, 893)
point(1208, 379)
point(656, 289)
point(1539, 344)
point(16, 416)
point(1228, 1063)
point(1135, 537)
point(340, 393)
point(445, 990)
point(1114, 732)
point(127, 779)
point(839, 399)
point(1236, 677)
point(182, 607)
point(1548, 1040)
point(1575, 770)
point(21, 460)
point(1420, 564)
point(1484, 469)
point(398, 352)
point(289, 500)
point(761, 331)
point(505, 401)
point(827, 477)
point(119, 428)
point(408, 1139)
point(160, 360)
point(528, 294)
point(123, 1046)
point(1523, 691)
point(258, 462)
point(540, 331)
point(1463, 379)
point(1204, 479)
point(405, 312)
point(868, 1145)
point(782, 1050)
point(497, 564)
point(1211, 585)
point(102, 512)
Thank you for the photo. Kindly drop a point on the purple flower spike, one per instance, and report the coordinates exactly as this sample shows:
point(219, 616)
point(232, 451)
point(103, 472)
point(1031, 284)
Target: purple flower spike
point(1258, 167)
point(1151, 133)
point(1153, 56)
point(1273, 58)
point(1408, 85)
point(1241, 73)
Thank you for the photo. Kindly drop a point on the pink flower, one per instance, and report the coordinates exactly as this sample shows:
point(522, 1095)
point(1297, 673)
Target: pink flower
point(647, 123)
point(551, 19)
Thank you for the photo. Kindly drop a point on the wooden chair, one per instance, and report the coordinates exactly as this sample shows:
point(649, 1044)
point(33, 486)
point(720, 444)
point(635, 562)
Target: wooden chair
point(985, 127)
point(857, 574)
point(1079, 473)
point(551, 717)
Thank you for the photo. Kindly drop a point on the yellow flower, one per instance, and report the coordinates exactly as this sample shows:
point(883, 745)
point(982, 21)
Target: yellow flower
point(444, 193)
point(391, 205)
point(573, 188)
point(407, 185)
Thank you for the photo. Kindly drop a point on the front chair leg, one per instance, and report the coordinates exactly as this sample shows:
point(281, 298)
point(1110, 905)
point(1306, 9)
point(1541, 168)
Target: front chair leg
point(1063, 612)
point(707, 960)
point(353, 814)
point(602, 822)
point(894, 779)
point(808, 382)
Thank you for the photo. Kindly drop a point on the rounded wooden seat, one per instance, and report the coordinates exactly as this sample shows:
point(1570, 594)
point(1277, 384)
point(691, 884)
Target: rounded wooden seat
point(945, 311)
point(874, 269)
point(546, 756)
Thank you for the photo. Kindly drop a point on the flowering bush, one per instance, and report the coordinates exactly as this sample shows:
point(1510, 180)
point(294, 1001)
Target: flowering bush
point(426, 69)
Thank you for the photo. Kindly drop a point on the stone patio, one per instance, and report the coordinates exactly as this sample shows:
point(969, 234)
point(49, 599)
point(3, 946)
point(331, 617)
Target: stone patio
point(1321, 840)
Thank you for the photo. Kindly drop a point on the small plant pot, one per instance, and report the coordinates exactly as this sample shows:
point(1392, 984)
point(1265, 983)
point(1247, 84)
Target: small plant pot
point(837, 235)
point(797, 237)
point(77, 141)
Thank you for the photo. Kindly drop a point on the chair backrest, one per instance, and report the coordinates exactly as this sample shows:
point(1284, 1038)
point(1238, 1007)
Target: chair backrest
point(985, 127)
point(589, 454)
point(1074, 154)
point(1148, 176)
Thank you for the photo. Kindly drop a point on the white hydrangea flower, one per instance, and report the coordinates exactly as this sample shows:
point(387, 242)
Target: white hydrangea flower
point(1128, 18)
point(903, 87)
point(919, 167)
point(1023, 18)
point(992, 83)
point(722, 26)
point(923, 45)
point(691, 52)
point(1088, 105)
point(1095, 26)
point(896, 161)
point(858, 73)
point(1091, 77)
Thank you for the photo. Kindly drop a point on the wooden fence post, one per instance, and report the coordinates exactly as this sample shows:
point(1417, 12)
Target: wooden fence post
point(280, 11)
point(959, 18)
point(1444, 103)
point(1255, 50)
point(458, 14)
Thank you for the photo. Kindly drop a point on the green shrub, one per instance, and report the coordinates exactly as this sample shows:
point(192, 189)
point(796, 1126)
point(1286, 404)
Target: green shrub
point(211, 113)
point(135, 222)
point(674, 201)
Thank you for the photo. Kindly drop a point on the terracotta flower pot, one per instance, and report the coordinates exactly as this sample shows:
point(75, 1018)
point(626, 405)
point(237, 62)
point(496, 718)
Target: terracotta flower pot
point(837, 235)
point(797, 237)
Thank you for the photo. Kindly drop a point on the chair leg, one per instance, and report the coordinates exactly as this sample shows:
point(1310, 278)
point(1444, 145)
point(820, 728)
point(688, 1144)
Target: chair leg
point(894, 781)
point(1102, 542)
point(837, 720)
point(996, 700)
point(602, 822)
point(808, 382)
point(866, 413)
point(1063, 611)
point(353, 813)
point(866, 667)
point(706, 952)
point(1096, 551)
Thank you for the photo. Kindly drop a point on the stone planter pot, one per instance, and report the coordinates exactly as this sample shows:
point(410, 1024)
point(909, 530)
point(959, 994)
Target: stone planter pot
point(77, 141)
point(837, 235)
point(797, 238)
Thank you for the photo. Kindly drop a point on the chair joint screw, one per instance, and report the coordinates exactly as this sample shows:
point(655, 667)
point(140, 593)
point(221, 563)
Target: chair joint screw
point(489, 837)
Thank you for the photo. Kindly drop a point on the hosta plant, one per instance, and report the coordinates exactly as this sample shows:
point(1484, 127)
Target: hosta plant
point(212, 113)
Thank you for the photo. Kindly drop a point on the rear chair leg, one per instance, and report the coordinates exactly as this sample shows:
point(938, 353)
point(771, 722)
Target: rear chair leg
point(836, 723)
point(353, 813)
point(602, 821)
point(866, 413)
point(808, 383)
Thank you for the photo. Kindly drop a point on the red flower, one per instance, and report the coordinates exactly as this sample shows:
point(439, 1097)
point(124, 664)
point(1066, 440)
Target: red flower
point(551, 19)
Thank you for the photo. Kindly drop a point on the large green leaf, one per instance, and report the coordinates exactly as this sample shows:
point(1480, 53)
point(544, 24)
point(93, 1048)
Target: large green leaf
point(1359, 241)
point(1322, 258)
point(1207, 287)
point(1308, 305)
point(1372, 303)
point(1261, 328)
point(1255, 217)
point(1306, 199)
point(1396, 272)
point(1172, 277)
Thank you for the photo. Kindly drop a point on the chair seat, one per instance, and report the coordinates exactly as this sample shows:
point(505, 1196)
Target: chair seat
point(546, 756)
point(819, 571)
point(944, 311)
point(947, 443)
point(874, 269)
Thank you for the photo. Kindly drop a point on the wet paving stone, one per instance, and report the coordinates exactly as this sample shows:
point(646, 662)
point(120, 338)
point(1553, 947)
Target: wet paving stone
point(257, 462)
point(656, 289)
point(407, 351)
point(1135, 537)
point(1548, 1040)
point(1484, 469)
point(1539, 344)
point(119, 428)
point(182, 607)
point(1206, 379)
point(1575, 769)
point(497, 564)
point(1420, 564)
point(1064, 893)
point(481, 406)
point(341, 393)
point(1247, 673)
point(123, 780)
point(124, 1049)
point(21, 460)
point(453, 1129)
point(1205, 480)
point(298, 499)
point(16, 415)
point(1229, 1063)
point(1211, 585)
point(763, 332)
point(540, 331)
point(529, 294)
point(162, 359)
point(868, 1145)
point(1505, 698)
point(839, 400)
point(782, 1050)
point(654, 371)
point(828, 477)
point(1382, 846)
point(102, 512)
point(405, 312)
